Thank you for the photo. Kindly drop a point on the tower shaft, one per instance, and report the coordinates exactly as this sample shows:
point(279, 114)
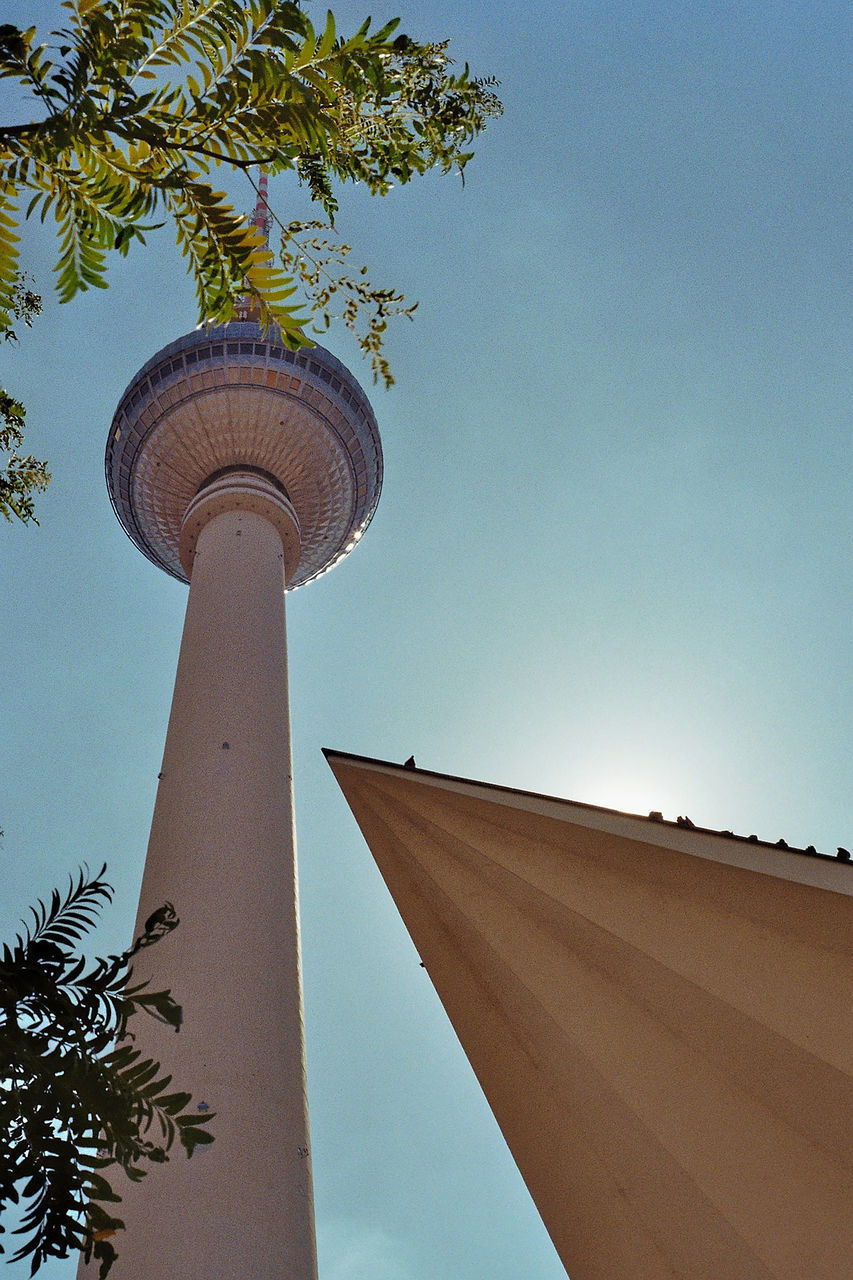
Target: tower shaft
point(223, 850)
point(241, 467)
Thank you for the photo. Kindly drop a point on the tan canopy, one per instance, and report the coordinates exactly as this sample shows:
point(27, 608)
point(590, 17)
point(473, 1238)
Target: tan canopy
point(660, 1019)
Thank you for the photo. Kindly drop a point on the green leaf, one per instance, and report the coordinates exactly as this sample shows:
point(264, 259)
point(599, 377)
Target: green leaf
point(135, 101)
point(79, 1104)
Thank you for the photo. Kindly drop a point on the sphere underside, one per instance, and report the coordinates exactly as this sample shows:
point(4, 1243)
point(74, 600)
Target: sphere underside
point(231, 396)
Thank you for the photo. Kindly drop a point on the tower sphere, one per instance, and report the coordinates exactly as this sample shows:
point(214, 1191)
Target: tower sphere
point(293, 428)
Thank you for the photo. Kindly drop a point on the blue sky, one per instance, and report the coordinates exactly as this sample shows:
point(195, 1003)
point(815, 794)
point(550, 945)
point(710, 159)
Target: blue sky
point(611, 560)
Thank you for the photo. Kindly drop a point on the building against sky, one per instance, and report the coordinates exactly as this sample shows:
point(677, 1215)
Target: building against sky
point(659, 1017)
point(243, 468)
point(622, 413)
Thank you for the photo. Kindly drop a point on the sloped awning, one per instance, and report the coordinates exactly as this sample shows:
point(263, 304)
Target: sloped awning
point(660, 1019)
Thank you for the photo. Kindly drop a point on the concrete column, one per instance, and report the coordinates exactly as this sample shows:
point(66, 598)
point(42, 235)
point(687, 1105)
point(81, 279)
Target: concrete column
point(223, 850)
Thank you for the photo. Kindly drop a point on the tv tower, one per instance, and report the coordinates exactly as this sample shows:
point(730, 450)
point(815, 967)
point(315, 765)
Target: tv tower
point(245, 469)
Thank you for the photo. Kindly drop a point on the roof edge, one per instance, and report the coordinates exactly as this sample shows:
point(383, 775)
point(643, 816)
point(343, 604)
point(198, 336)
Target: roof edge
point(820, 870)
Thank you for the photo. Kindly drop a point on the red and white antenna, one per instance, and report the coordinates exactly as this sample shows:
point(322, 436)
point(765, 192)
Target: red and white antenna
point(247, 307)
point(262, 218)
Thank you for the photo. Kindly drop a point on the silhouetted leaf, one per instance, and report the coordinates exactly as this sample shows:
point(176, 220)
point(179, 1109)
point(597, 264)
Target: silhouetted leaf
point(84, 1098)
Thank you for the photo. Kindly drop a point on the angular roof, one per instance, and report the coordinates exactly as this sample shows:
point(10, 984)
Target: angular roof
point(659, 1017)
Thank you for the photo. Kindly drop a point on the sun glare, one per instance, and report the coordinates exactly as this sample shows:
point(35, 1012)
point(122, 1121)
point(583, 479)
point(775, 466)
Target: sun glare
point(632, 790)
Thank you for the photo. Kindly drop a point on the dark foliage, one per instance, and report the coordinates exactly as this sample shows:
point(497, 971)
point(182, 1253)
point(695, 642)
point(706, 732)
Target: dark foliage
point(76, 1097)
point(21, 475)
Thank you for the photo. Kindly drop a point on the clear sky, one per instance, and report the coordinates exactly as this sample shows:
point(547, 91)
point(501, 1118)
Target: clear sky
point(611, 560)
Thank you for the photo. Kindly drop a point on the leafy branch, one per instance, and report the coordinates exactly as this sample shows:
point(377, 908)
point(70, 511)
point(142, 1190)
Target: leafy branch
point(77, 1096)
point(319, 265)
point(21, 475)
point(135, 102)
point(140, 98)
